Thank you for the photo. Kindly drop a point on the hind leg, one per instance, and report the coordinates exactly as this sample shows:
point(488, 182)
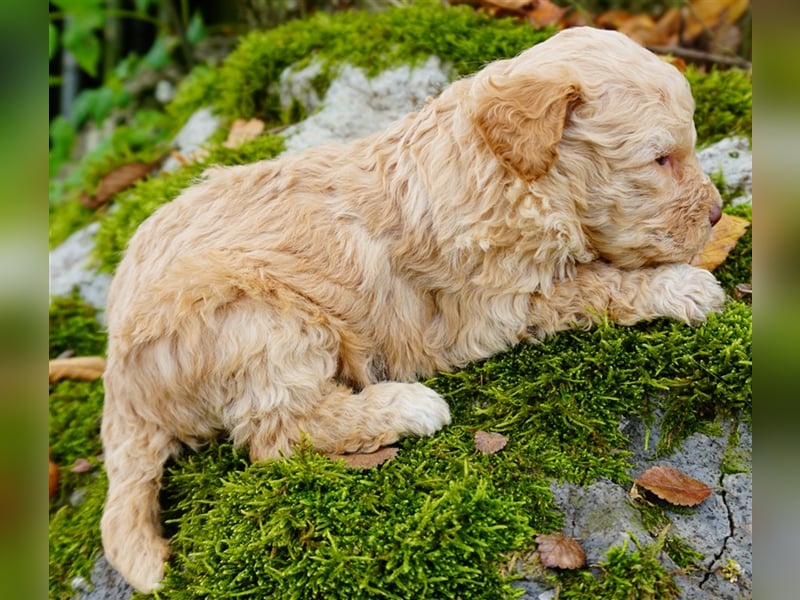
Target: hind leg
point(342, 421)
point(289, 391)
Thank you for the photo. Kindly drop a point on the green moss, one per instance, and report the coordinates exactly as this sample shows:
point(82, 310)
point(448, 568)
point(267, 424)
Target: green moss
point(74, 537)
point(309, 527)
point(192, 93)
point(74, 327)
point(138, 203)
point(710, 374)
point(66, 217)
point(682, 554)
point(736, 459)
point(74, 427)
point(737, 267)
point(724, 103)
point(625, 575)
point(656, 521)
point(144, 139)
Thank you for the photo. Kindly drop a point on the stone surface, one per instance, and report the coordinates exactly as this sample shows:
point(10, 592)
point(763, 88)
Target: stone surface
point(106, 584)
point(355, 105)
point(601, 515)
point(732, 157)
point(71, 268)
point(196, 132)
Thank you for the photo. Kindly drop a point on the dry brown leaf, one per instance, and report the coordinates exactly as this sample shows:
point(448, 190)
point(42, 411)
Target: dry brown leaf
point(367, 461)
point(489, 442)
point(544, 13)
point(53, 478)
point(243, 131)
point(707, 15)
point(557, 551)
point(117, 180)
point(612, 19)
point(84, 368)
point(512, 5)
point(81, 465)
point(668, 27)
point(724, 236)
point(670, 484)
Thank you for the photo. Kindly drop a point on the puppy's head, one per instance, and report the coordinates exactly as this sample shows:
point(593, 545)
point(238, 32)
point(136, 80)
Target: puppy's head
point(598, 122)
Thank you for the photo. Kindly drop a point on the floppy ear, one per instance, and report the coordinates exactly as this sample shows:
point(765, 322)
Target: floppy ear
point(522, 117)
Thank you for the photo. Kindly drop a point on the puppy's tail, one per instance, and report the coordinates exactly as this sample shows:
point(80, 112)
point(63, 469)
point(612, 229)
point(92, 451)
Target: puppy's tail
point(135, 452)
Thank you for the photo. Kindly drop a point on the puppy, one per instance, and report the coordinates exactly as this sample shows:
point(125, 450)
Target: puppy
point(302, 297)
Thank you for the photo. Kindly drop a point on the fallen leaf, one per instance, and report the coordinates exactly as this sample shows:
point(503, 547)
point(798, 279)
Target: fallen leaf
point(53, 478)
point(706, 15)
point(512, 5)
point(544, 13)
point(612, 19)
point(669, 484)
point(557, 551)
point(81, 465)
point(489, 443)
point(243, 131)
point(724, 236)
point(117, 180)
point(366, 461)
point(84, 368)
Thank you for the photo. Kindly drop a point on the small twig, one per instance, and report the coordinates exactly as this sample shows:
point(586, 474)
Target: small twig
point(699, 55)
point(277, 129)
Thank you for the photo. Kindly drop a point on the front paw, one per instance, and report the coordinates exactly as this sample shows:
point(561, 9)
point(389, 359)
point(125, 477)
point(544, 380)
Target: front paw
point(686, 293)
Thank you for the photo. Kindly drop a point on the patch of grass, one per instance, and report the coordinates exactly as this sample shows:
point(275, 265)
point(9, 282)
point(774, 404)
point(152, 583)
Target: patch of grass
point(738, 266)
point(74, 537)
point(308, 527)
point(144, 139)
point(75, 408)
point(74, 426)
point(724, 103)
point(74, 327)
point(624, 574)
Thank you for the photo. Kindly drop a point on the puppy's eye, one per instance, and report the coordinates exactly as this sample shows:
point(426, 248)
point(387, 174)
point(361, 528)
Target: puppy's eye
point(662, 160)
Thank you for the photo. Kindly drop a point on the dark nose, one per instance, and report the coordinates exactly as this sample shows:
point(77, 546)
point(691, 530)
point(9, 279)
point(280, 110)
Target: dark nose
point(715, 214)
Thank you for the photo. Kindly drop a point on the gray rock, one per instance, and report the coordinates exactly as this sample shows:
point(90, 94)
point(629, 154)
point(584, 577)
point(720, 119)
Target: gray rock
point(196, 132)
point(599, 516)
point(106, 584)
point(355, 106)
point(733, 158)
point(71, 268)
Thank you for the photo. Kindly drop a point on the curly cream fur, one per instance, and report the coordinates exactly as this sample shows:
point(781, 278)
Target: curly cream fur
point(302, 297)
